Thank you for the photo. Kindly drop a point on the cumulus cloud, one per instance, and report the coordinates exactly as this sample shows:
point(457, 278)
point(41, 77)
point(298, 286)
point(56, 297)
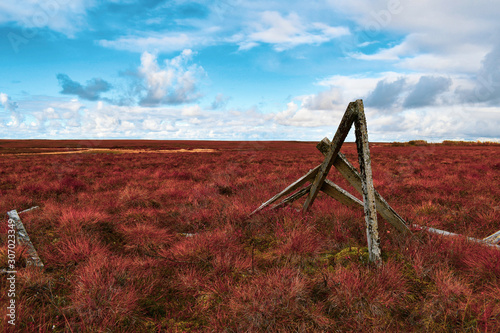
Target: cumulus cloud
point(176, 82)
point(7, 102)
point(71, 119)
point(67, 17)
point(16, 117)
point(486, 86)
point(426, 91)
point(324, 100)
point(91, 91)
point(287, 32)
point(316, 110)
point(386, 93)
point(446, 36)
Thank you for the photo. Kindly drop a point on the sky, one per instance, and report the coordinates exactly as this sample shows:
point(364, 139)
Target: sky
point(249, 70)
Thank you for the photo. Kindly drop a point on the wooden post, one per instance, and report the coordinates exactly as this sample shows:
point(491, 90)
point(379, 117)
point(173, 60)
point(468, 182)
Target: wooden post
point(23, 239)
point(367, 185)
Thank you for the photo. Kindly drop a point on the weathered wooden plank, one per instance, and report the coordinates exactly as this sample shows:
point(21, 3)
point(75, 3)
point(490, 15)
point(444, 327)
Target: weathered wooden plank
point(339, 194)
point(350, 173)
point(330, 188)
point(451, 234)
point(292, 187)
point(27, 210)
point(338, 140)
point(23, 239)
point(372, 235)
point(494, 238)
point(297, 195)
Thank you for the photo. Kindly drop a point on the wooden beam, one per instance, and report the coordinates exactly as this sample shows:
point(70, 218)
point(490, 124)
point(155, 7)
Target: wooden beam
point(372, 235)
point(331, 189)
point(338, 193)
point(338, 140)
point(493, 239)
point(293, 197)
point(292, 187)
point(28, 210)
point(23, 239)
point(350, 173)
point(451, 234)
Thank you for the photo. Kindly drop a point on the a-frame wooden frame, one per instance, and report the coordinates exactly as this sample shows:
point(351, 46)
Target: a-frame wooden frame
point(362, 181)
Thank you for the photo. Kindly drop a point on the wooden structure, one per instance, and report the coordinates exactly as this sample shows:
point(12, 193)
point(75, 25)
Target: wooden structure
point(362, 181)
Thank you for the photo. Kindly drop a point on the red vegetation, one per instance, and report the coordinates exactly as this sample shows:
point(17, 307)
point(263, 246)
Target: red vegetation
point(155, 241)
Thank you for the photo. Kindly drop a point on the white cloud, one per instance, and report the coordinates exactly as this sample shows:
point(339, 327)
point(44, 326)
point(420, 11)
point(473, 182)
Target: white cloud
point(175, 82)
point(441, 36)
point(301, 119)
point(324, 100)
point(16, 118)
point(287, 32)
point(67, 17)
point(154, 42)
point(192, 111)
point(302, 116)
point(7, 103)
point(423, 16)
point(424, 106)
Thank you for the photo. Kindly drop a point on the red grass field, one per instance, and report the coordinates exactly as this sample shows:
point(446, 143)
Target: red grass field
point(151, 240)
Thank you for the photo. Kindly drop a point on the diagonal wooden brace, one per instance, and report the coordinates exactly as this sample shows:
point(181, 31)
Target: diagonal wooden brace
point(351, 174)
point(330, 188)
point(297, 195)
point(339, 138)
point(292, 187)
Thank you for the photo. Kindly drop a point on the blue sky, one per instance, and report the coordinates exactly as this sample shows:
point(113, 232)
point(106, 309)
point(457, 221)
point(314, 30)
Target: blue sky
point(249, 70)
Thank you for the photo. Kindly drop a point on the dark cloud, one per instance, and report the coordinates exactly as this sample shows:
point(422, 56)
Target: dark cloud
point(487, 81)
point(91, 91)
point(425, 92)
point(385, 93)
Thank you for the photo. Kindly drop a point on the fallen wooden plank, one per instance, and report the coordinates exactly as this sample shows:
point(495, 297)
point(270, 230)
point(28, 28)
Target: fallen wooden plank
point(451, 234)
point(29, 209)
point(23, 239)
point(493, 239)
point(292, 187)
point(350, 173)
